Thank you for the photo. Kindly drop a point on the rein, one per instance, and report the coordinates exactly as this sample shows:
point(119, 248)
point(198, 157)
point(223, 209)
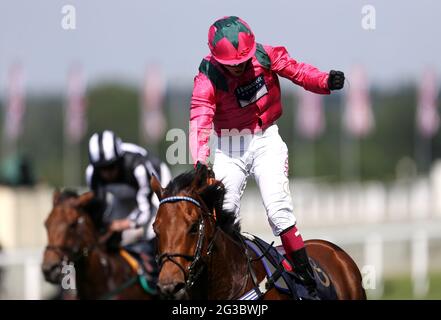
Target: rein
point(194, 271)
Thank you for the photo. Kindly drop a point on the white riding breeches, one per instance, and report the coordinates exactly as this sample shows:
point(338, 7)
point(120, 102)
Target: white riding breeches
point(263, 155)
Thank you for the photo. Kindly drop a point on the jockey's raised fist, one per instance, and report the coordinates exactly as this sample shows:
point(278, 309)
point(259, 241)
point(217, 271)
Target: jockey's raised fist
point(336, 80)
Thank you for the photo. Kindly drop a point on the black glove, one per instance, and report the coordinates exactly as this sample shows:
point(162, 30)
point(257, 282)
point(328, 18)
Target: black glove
point(336, 80)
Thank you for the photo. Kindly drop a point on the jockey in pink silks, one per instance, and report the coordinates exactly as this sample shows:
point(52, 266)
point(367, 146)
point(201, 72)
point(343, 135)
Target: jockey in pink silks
point(237, 91)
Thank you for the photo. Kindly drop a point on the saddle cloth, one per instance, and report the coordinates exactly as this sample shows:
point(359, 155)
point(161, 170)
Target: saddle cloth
point(274, 260)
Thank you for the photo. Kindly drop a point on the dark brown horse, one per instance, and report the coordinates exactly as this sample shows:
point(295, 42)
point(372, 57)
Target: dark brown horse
point(202, 254)
point(73, 238)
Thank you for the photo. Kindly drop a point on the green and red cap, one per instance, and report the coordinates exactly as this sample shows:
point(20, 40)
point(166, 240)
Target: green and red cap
point(231, 41)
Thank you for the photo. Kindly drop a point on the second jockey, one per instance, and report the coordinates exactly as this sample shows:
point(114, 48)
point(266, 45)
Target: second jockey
point(113, 162)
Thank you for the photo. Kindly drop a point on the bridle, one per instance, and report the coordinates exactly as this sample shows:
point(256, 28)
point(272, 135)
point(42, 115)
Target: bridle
point(72, 254)
point(196, 267)
point(76, 253)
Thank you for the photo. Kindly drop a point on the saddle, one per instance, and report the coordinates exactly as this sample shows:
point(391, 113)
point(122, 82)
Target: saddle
point(281, 275)
point(146, 279)
point(133, 262)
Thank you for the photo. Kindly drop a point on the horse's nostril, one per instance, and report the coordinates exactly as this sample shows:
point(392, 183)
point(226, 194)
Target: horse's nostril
point(166, 289)
point(169, 290)
point(47, 268)
point(51, 272)
point(179, 286)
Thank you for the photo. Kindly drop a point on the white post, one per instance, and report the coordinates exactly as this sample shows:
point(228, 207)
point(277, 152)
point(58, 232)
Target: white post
point(372, 270)
point(32, 279)
point(420, 264)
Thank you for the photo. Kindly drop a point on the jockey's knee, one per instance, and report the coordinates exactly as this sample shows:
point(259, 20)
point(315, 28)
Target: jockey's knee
point(281, 220)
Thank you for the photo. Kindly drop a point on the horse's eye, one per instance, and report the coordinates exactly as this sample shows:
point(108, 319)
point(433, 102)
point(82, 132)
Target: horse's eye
point(194, 228)
point(73, 225)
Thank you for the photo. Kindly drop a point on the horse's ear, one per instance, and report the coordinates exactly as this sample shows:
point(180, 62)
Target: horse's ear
point(56, 197)
point(156, 187)
point(84, 199)
point(202, 177)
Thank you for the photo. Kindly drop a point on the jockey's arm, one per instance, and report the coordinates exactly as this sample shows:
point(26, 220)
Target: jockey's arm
point(120, 225)
point(303, 74)
point(202, 110)
point(140, 216)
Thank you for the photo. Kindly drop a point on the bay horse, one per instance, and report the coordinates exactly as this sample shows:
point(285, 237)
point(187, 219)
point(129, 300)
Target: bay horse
point(202, 255)
point(73, 237)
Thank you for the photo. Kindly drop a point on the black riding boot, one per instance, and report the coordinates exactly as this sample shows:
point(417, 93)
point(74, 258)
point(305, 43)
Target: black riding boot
point(303, 269)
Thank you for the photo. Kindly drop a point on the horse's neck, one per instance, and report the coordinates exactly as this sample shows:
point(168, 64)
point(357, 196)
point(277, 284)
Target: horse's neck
point(228, 271)
point(92, 274)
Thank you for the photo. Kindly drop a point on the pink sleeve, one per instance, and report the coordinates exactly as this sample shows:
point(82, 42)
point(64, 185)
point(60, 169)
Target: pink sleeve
point(202, 111)
point(300, 73)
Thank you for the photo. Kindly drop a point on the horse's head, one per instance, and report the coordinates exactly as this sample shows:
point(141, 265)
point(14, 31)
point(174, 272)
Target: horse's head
point(185, 227)
point(70, 232)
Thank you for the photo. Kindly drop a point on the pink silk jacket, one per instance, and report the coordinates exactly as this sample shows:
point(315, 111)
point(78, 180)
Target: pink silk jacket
point(251, 101)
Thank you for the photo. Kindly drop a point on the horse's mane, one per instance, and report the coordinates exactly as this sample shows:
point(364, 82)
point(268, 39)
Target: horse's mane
point(67, 194)
point(213, 194)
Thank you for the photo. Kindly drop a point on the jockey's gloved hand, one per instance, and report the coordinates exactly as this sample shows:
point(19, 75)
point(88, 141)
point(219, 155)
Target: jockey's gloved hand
point(336, 80)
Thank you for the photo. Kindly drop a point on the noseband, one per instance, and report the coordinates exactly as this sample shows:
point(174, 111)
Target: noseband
point(193, 271)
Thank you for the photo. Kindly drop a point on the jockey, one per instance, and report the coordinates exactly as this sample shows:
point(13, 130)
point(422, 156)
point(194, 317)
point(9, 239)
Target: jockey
point(115, 162)
point(237, 91)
